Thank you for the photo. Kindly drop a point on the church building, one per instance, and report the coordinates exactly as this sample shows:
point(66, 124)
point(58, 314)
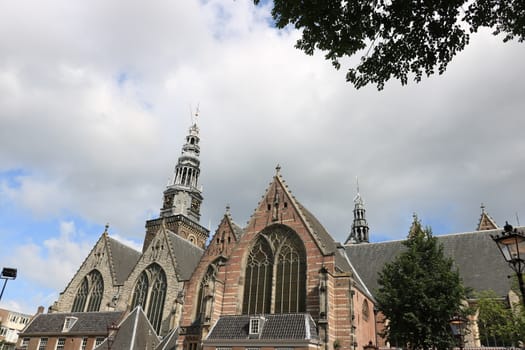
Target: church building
point(280, 282)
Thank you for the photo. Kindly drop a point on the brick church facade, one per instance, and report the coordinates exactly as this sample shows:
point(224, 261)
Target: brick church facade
point(280, 282)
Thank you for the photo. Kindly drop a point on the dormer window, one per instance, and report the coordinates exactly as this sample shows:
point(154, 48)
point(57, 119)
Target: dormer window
point(256, 324)
point(69, 322)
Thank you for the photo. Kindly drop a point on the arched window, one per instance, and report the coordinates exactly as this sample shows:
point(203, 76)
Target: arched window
point(290, 284)
point(276, 266)
point(90, 293)
point(150, 294)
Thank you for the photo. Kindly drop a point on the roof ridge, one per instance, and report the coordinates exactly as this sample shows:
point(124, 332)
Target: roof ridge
point(110, 256)
point(304, 217)
point(83, 262)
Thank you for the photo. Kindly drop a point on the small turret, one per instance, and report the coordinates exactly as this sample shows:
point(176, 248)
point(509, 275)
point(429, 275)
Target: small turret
point(359, 232)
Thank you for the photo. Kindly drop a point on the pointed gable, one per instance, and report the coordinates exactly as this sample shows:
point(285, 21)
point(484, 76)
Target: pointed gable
point(486, 222)
point(135, 332)
point(225, 237)
point(282, 207)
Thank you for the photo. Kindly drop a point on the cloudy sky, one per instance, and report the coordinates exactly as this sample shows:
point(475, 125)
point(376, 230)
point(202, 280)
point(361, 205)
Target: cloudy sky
point(95, 101)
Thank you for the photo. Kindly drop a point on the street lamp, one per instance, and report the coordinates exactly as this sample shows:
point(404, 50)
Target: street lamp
point(457, 324)
point(511, 243)
point(8, 273)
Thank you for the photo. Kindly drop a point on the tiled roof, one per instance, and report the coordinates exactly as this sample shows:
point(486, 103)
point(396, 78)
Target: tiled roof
point(186, 254)
point(326, 239)
point(87, 323)
point(477, 257)
point(237, 230)
point(169, 342)
point(298, 326)
point(124, 259)
point(134, 333)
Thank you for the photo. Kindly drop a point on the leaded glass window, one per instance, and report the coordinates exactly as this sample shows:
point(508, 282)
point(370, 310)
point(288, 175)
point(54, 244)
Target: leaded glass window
point(275, 274)
point(90, 293)
point(141, 291)
point(150, 294)
point(258, 278)
point(290, 282)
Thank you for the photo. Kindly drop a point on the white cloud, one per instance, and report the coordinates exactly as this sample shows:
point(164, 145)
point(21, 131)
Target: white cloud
point(94, 107)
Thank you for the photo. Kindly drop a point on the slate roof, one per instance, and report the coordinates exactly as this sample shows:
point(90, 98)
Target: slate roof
point(299, 326)
point(88, 323)
point(169, 342)
point(477, 257)
point(187, 255)
point(134, 333)
point(326, 239)
point(124, 258)
point(237, 230)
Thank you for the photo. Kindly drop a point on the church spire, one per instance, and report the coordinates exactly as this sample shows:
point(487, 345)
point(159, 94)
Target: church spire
point(359, 232)
point(182, 194)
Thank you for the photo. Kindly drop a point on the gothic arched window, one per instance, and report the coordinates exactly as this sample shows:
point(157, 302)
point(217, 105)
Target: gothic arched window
point(90, 293)
point(258, 278)
point(150, 294)
point(276, 266)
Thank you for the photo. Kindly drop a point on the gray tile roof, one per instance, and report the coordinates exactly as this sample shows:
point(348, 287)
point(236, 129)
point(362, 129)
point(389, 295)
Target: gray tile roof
point(330, 246)
point(187, 255)
point(237, 230)
point(169, 342)
point(134, 333)
point(124, 259)
point(88, 323)
point(477, 257)
point(298, 326)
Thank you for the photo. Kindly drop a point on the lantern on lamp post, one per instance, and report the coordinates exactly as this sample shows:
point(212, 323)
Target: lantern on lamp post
point(8, 273)
point(511, 243)
point(457, 325)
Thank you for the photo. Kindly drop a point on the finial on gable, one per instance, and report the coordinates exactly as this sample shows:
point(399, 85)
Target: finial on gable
point(228, 209)
point(486, 222)
point(277, 170)
point(106, 227)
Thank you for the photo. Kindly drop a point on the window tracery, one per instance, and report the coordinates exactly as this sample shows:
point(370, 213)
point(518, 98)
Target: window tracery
point(150, 294)
point(275, 274)
point(90, 293)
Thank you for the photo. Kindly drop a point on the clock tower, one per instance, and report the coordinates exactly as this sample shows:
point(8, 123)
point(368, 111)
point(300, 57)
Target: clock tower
point(182, 197)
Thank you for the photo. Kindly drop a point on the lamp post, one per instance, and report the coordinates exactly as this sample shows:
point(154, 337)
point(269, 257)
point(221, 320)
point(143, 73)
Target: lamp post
point(511, 243)
point(8, 273)
point(457, 324)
